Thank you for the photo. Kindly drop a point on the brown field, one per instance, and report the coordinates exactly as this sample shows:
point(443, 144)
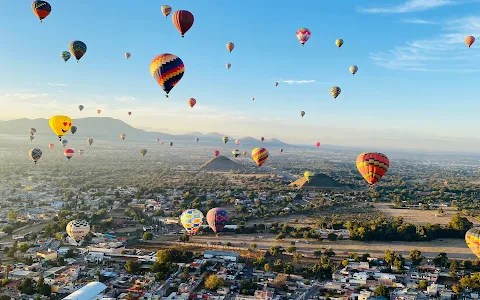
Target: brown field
point(420, 217)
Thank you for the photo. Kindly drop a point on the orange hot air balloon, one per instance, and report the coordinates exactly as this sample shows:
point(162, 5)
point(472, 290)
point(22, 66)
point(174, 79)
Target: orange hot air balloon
point(216, 153)
point(372, 166)
point(230, 46)
point(192, 102)
point(183, 21)
point(99, 111)
point(469, 40)
point(260, 156)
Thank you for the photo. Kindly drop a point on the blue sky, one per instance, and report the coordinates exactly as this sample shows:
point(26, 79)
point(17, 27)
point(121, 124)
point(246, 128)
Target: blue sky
point(416, 86)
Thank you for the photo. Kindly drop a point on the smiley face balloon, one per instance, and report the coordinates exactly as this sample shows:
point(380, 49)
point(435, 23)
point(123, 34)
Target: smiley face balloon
point(60, 125)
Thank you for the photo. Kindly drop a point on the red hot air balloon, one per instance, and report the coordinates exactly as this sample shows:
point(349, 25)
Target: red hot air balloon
point(217, 218)
point(183, 21)
point(192, 102)
point(317, 144)
point(216, 153)
point(68, 153)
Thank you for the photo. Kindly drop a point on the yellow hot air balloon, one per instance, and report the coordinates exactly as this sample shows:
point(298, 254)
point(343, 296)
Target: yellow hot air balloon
point(60, 125)
point(308, 175)
point(472, 237)
point(335, 91)
point(339, 43)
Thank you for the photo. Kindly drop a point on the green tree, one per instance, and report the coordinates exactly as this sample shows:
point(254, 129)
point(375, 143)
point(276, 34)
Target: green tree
point(147, 235)
point(12, 215)
point(467, 264)
point(132, 267)
point(276, 250)
point(7, 229)
point(163, 256)
point(381, 290)
point(416, 256)
point(253, 246)
point(291, 249)
point(423, 285)
point(213, 282)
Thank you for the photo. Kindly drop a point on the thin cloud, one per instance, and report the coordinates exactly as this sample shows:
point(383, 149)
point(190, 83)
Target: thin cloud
point(23, 96)
point(56, 84)
point(411, 6)
point(297, 81)
point(418, 21)
point(444, 52)
point(126, 98)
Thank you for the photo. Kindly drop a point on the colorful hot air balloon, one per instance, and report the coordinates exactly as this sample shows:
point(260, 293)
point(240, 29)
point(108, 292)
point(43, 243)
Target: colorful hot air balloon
point(81, 151)
point(281, 150)
point(225, 139)
point(308, 175)
point(353, 69)
point(469, 40)
point(77, 230)
point(90, 141)
point(41, 9)
point(217, 218)
point(171, 144)
point(32, 138)
point(64, 143)
point(244, 153)
point(123, 136)
point(472, 237)
point(129, 113)
point(166, 10)
point(183, 21)
point(143, 152)
point(65, 55)
point(32, 131)
point(99, 111)
point(262, 138)
point(167, 70)
point(372, 166)
point(192, 220)
point(35, 154)
point(237, 142)
point(302, 113)
point(50, 146)
point(80, 107)
point(197, 139)
point(60, 125)
point(236, 153)
point(68, 153)
point(127, 55)
point(228, 65)
point(276, 83)
point(216, 153)
point(317, 144)
point(339, 43)
point(260, 155)
point(78, 49)
point(73, 129)
point(230, 46)
point(335, 91)
point(192, 102)
point(303, 34)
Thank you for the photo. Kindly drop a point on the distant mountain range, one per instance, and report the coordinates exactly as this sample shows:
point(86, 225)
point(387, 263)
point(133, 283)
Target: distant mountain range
point(106, 127)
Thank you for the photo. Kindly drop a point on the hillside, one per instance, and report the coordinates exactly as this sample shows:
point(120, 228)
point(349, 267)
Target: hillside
point(317, 181)
point(221, 163)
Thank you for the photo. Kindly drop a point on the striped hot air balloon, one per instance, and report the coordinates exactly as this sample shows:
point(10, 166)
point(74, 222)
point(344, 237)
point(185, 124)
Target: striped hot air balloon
point(166, 10)
point(41, 9)
point(167, 70)
point(260, 156)
point(78, 49)
point(35, 154)
point(65, 55)
point(335, 91)
point(372, 166)
point(230, 46)
point(469, 40)
point(68, 153)
point(127, 55)
point(183, 21)
point(303, 34)
point(192, 102)
point(217, 218)
point(472, 237)
point(225, 139)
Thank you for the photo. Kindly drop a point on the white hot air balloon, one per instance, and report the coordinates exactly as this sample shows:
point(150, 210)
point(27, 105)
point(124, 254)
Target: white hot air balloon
point(78, 229)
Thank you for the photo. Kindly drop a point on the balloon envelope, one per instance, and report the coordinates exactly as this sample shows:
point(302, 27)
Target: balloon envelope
point(41, 9)
point(303, 34)
point(183, 21)
point(372, 166)
point(78, 49)
point(217, 218)
point(73, 129)
point(68, 153)
point(35, 154)
point(472, 237)
point(166, 10)
point(167, 70)
point(77, 229)
point(216, 153)
point(60, 125)
point(260, 156)
point(192, 220)
point(308, 175)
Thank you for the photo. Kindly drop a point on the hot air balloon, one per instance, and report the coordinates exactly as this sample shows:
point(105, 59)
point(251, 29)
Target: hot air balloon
point(262, 138)
point(73, 129)
point(99, 111)
point(236, 153)
point(129, 113)
point(167, 70)
point(302, 113)
point(192, 102)
point(237, 142)
point(68, 153)
point(217, 218)
point(65, 55)
point(171, 144)
point(127, 55)
point(60, 125)
point(166, 10)
point(281, 150)
point(64, 143)
point(80, 107)
point(216, 153)
point(32, 131)
point(35, 154)
point(77, 230)
point(123, 136)
point(161, 143)
point(50, 146)
point(335, 91)
point(353, 69)
point(143, 152)
point(260, 155)
point(41, 9)
point(372, 166)
point(192, 220)
point(445, 183)
point(317, 144)
point(225, 139)
point(183, 21)
point(90, 141)
point(472, 237)
point(197, 139)
point(469, 40)
point(308, 175)
point(244, 153)
point(253, 98)
point(32, 138)
point(276, 83)
point(78, 49)
point(228, 65)
point(339, 43)
point(303, 34)
point(230, 46)
point(81, 152)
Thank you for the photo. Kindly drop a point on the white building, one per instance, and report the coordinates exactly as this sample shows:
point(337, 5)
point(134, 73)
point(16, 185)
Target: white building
point(91, 291)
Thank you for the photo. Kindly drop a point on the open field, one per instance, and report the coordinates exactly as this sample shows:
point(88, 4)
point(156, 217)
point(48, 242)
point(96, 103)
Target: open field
point(420, 217)
point(26, 229)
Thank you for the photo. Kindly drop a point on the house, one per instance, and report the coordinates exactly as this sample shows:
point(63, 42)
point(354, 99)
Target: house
point(47, 255)
point(225, 255)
